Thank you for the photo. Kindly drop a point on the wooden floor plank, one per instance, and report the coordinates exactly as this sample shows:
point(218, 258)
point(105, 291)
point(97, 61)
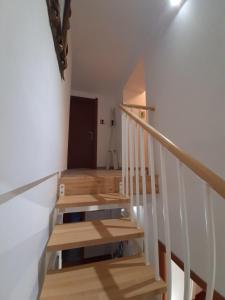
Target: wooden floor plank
point(83, 234)
point(119, 279)
point(91, 200)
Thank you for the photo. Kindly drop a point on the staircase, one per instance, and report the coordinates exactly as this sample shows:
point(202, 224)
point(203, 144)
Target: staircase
point(129, 274)
point(118, 278)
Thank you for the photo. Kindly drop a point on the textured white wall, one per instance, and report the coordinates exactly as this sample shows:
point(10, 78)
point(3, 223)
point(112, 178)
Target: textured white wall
point(105, 105)
point(34, 106)
point(185, 73)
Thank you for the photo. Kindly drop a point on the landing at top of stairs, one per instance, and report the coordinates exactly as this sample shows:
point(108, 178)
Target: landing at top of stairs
point(119, 279)
point(82, 182)
point(82, 234)
point(91, 200)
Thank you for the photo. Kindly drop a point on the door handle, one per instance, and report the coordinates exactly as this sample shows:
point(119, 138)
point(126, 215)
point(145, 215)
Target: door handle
point(91, 134)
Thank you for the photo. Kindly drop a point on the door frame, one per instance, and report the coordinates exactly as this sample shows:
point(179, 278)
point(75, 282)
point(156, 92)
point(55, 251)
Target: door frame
point(94, 101)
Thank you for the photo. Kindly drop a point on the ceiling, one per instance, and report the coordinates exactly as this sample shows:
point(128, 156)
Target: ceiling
point(107, 37)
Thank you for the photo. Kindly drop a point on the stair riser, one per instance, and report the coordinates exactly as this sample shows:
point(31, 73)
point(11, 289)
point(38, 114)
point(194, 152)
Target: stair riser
point(92, 208)
point(92, 185)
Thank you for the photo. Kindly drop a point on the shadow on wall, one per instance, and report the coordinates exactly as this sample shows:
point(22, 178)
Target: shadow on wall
point(21, 265)
point(26, 222)
point(12, 194)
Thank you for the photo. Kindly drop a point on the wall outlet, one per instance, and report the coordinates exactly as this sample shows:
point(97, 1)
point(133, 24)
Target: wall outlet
point(62, 190)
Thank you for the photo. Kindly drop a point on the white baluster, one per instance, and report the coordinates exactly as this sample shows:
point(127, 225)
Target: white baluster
point(126, 136)
point(144, 197)
point(137, 187)
point(59, 220)
point(185, 232)
point(131, 146)
point(151, 168)
point(59, 255)
point(211, 240)
point(123, 152)
point(166, 221)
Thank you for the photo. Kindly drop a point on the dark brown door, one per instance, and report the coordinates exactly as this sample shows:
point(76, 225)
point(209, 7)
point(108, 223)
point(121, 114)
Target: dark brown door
point(201, 296)
point(82, 150)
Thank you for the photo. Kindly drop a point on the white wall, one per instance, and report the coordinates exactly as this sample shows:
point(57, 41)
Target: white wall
point(134, 90)
point(185, 74)
point(178, 282)
point(24, 231)
point(34, 106)
point(106, 102)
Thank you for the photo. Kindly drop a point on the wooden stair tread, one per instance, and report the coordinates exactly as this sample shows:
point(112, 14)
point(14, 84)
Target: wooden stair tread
point(119, 279)
point(91, 200)
point(82, 234)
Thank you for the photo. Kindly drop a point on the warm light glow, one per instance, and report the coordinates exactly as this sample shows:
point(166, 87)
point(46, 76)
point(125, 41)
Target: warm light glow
point(175, 3)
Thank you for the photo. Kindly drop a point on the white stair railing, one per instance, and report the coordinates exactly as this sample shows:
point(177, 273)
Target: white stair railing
point(211, 240)
point(184, 224)
point(131, 156)
point(134, 153)
point(137, 183)
point(126, 155)
point(123, 153)
point(144, 198)
point(151, 168)
point(166, 217)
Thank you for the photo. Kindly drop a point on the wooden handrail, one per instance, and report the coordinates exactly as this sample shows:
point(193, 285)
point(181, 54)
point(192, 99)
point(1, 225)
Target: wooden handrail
point(216, 182)
point(20, 190)
point(144, 107)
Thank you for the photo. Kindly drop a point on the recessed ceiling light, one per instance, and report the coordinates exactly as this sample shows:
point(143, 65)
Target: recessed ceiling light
point(175, 3)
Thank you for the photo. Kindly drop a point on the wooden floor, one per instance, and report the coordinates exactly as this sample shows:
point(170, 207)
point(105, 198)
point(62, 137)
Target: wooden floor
point(120, 279)
point(83, 234)
point(91, 200)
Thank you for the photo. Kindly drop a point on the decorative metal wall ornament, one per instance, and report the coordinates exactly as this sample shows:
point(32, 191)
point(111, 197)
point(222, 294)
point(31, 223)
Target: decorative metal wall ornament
point(59, 12)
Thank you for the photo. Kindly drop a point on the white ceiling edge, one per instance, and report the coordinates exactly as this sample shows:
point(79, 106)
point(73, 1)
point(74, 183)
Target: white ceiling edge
point(96, 67)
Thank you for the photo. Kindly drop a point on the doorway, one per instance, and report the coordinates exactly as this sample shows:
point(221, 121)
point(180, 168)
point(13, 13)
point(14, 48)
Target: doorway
point(82, 147)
